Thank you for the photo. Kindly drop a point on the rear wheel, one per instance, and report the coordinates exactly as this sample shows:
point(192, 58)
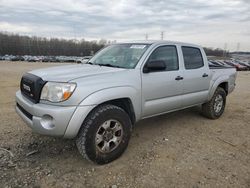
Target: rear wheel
point(105, 134)
point(214, 108)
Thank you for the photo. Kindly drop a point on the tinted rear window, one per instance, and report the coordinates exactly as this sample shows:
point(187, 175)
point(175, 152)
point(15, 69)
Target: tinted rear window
point(192, 57)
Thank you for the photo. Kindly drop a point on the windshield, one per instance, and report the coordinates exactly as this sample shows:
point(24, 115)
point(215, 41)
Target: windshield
point(120, 55)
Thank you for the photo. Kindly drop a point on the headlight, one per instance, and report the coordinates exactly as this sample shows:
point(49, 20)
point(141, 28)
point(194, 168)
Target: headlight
point(57, 92)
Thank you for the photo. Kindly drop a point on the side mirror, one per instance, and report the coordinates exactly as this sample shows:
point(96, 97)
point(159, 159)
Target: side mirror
point(156, 65)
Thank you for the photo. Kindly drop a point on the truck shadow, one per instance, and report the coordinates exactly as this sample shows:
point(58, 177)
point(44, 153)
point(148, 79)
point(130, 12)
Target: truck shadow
point(152, 128)
point(193, 112)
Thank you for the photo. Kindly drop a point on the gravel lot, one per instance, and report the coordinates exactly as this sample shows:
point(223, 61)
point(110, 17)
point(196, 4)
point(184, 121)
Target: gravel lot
point(181, 149)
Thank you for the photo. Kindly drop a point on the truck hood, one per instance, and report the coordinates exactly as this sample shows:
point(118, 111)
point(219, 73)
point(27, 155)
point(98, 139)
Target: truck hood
point(68, 73)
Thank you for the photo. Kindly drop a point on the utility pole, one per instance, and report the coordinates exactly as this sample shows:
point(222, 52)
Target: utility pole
point(146, 36)
point(162, 35)
point(225, 48)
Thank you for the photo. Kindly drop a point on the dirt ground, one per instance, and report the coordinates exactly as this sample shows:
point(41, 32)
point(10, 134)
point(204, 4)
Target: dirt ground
point(180, 149)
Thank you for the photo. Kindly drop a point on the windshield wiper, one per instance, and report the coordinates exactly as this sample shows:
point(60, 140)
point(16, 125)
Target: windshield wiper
point(90, 63)
point(109, 65)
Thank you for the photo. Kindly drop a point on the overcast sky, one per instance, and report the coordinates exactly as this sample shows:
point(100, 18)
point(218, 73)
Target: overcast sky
point(209, 23)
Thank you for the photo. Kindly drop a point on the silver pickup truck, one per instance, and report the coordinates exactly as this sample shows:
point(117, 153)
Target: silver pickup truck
point(99, 102)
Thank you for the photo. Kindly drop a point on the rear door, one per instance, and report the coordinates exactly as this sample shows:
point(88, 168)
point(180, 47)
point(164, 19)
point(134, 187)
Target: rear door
point(161, 90)
point(196, 75)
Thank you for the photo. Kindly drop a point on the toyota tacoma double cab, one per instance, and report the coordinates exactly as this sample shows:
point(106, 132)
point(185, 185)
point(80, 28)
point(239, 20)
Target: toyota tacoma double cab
point(98, 103)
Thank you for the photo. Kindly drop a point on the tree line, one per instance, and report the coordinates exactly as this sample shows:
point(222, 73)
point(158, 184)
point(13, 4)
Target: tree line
point(216, 52)
point(14, 44)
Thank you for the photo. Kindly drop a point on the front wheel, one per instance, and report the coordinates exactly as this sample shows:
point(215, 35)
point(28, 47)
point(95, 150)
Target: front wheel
point(214, 108)
point(105, 134)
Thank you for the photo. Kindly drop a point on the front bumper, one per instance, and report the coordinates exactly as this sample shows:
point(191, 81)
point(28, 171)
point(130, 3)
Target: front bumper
point(61, 121)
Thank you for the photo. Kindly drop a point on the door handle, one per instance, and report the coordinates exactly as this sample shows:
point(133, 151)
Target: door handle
point(205, 75)
point(179, 78)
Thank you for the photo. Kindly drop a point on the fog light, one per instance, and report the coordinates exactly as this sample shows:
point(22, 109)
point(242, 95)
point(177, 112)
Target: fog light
point(47, 122)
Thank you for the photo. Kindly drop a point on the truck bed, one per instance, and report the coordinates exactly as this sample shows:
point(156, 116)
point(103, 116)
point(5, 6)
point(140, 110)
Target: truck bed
point(228, 73)
point(220, 67)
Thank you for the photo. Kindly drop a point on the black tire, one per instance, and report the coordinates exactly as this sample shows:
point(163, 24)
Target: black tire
point(85, 140)
point(208, 108)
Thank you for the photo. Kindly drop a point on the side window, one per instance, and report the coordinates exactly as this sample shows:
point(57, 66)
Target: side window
point(192, 57)
point(168, 54)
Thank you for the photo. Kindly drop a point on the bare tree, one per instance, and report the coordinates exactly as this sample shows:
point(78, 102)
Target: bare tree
point(23, 45)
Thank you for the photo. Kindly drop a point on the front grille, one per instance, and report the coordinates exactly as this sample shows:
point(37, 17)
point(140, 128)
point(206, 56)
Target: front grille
point(27, 114)
point(31, 87)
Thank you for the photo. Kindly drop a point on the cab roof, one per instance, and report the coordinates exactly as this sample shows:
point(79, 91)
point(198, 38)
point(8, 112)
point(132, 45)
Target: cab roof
point(157, 42)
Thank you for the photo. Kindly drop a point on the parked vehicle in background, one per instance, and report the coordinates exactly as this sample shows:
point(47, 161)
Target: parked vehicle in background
point(238, 66)
point(45, 59)
point(32, 59)
point(61, 58)
point(213, 64)
point(17, 58)
point(223, 63)
point(8, 57)
point(218, 63)
point(49, 59)
point(26, 57)
point(99, 102)
point(69, 59)
point(84, 59)
point(244, 64)
point(78, 60)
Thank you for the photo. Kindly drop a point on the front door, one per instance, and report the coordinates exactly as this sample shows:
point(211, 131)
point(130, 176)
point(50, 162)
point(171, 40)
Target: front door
point(161, 90)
